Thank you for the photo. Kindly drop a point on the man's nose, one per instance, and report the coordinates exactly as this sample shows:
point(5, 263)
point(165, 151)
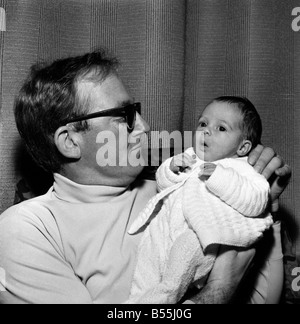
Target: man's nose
point(141, 126)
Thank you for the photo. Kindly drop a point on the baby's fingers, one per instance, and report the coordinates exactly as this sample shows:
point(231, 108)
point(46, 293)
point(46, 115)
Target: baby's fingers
point(184, 160)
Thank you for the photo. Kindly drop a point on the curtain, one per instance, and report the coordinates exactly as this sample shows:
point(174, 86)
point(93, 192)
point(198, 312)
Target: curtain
point(176, 56)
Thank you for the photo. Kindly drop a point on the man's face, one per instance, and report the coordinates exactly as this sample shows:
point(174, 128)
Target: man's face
point(110, 151)
point(219, 133)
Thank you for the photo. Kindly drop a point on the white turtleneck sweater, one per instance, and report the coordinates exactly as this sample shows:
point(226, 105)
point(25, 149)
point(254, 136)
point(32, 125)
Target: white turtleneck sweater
point(71, 245)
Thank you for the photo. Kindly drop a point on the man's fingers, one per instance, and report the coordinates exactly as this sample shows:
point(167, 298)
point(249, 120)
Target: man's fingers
point(265, 163)
point(275, 163)
point(255, 154)
point(282, 179)
point(284, 172)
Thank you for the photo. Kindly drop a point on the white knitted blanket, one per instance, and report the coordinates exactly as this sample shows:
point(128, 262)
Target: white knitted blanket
point(201, 207)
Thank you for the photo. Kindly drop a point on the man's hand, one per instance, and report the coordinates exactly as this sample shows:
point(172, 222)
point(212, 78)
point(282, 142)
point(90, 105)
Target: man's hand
point(225, 277)
point(231, 265)
point(266, 162)
point(228, 271)
point(182, 162)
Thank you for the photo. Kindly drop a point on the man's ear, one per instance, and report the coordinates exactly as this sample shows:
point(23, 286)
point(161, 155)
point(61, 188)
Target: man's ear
point(245, 148)
point(67, 142)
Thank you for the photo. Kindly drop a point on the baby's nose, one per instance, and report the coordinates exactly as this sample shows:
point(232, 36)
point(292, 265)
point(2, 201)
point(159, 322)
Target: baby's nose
point(206, 131)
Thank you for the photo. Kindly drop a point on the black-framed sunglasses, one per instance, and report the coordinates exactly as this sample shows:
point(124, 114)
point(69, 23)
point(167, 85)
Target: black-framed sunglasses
point(127, 112)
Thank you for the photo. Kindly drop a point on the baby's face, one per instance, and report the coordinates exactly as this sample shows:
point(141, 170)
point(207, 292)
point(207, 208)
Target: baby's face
point(219, 132)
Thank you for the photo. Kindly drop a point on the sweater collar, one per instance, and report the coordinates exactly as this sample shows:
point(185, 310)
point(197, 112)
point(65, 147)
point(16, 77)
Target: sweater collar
point(67, 190)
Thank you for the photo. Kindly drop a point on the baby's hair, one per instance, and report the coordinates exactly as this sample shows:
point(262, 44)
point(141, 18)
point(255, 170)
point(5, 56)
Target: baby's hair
point(252, 125)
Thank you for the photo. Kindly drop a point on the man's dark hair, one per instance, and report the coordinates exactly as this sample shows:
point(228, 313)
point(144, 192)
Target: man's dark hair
point(49, 97)
point(252, 125)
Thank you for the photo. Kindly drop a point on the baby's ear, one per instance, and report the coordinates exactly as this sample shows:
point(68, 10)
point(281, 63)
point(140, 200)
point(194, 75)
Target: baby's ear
point(244, 148)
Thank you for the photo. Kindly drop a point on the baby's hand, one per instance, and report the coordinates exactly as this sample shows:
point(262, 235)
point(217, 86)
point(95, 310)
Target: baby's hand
point(182, 163)
point(206, 170)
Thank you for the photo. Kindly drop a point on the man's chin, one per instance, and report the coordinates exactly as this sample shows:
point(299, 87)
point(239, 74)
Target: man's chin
point(133, 173)
point(123, 175)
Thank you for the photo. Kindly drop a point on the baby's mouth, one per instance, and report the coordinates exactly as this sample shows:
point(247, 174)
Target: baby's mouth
point(203, 147)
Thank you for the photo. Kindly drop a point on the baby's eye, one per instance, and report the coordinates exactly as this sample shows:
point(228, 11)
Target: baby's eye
point(222, 129)
point(202, 124)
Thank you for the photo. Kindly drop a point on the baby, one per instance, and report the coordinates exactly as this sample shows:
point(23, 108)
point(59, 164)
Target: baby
point(208, 196)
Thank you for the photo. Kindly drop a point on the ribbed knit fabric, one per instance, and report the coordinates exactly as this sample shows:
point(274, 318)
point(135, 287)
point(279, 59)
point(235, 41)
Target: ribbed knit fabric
point(212, 209)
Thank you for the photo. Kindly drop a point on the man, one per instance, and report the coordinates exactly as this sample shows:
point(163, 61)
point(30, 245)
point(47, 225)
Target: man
point(71, 245)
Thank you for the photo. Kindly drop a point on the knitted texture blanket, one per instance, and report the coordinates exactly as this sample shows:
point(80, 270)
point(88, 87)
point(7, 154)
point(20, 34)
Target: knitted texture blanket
point(227, 209)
